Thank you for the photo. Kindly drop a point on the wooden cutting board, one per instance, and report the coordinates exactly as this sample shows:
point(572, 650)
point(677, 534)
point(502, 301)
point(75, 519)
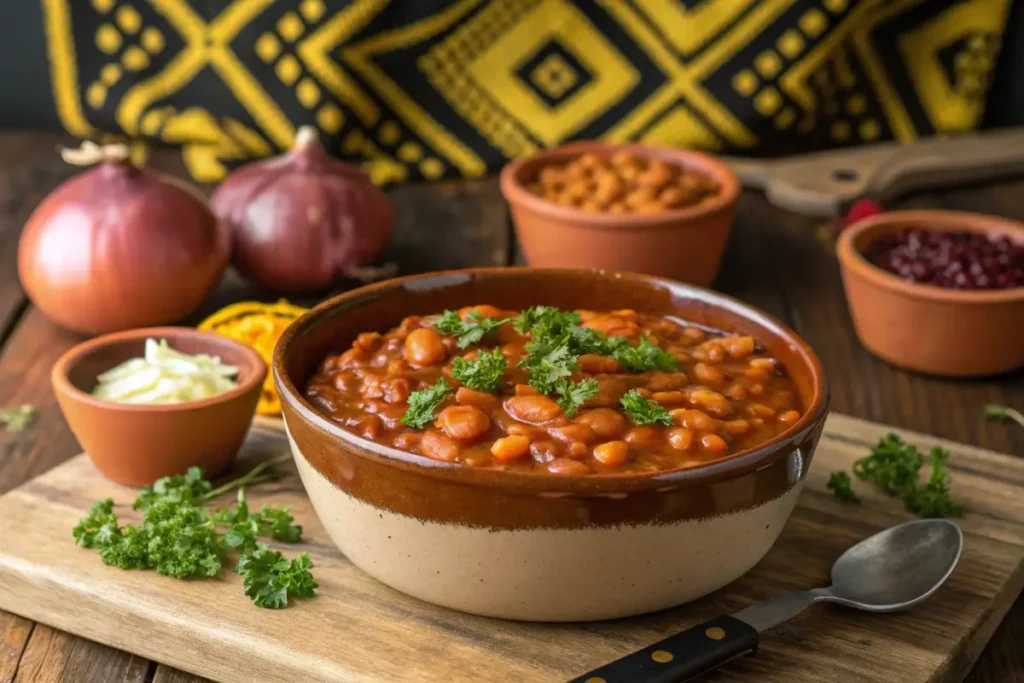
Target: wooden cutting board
point(359, 630)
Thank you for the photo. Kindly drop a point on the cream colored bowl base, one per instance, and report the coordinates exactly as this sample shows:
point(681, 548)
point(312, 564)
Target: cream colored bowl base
point(546, 574)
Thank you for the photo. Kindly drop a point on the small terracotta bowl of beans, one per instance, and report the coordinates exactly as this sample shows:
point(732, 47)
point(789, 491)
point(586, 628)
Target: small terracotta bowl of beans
point(655, 210)
point(938, 292)
point(549, 444)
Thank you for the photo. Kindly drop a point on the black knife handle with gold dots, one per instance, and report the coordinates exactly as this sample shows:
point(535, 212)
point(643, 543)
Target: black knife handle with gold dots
point(680, 657)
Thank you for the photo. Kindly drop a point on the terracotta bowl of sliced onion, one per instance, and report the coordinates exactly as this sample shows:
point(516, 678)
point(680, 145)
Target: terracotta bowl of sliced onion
point(153, 402)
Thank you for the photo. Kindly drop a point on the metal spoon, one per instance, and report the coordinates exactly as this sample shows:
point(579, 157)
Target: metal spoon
point(890, 571)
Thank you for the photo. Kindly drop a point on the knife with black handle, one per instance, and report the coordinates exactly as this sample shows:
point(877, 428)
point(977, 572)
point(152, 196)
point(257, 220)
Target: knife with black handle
point(705, 647)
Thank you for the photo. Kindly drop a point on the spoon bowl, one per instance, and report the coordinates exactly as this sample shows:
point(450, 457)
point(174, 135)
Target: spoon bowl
point(898, 567)
point(887, 572)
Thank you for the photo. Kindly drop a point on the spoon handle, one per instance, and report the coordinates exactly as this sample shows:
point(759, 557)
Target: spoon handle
point(680, 657)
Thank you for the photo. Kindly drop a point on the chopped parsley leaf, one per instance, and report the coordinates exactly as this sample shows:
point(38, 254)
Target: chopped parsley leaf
point(483, 373)
point(645, 356)
point(895, 467)
point(424, 402)
point(548, 363)
point(840, 486)
point(643, 411)
point(571, 395)
point(469, 331)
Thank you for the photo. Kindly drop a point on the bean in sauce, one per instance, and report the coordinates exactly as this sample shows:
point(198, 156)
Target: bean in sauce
point(725, 396)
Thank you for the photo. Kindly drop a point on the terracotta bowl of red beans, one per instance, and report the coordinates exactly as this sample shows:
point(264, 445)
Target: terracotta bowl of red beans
point(549, 445)
point(937, 292)
point(656, 210)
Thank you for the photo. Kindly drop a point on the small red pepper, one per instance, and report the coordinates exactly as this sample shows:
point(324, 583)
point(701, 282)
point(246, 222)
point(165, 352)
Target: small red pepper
point(862, 208)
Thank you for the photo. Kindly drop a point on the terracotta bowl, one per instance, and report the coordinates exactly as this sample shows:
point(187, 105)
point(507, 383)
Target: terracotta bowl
point(685, 244)
point(138, 444)
point(539, 546)
point(926, 328)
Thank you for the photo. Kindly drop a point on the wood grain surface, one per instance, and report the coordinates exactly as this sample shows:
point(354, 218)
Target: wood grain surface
point(778, 261)
point(359, 630)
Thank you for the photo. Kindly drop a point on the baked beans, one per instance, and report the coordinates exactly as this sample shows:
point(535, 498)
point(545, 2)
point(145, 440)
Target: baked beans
point(622, 183)
point(703, 395)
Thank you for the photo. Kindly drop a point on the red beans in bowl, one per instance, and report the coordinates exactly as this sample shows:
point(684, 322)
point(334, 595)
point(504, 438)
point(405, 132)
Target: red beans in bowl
point(950, 259)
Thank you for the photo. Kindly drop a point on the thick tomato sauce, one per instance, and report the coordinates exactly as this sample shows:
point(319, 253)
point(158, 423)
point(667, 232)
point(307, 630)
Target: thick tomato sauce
point(727, 396)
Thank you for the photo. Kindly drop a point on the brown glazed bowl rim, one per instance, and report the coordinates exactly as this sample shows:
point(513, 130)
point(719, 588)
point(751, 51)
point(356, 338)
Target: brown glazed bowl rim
point(854, 239)
point(514, 192)
point(543, 482)
point(61, 369)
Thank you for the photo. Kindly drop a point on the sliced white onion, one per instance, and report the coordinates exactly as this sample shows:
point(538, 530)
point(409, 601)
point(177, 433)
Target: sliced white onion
point(164, 375)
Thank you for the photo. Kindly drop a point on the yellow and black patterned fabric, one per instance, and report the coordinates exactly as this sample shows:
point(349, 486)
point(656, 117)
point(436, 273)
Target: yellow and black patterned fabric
point(421, 88)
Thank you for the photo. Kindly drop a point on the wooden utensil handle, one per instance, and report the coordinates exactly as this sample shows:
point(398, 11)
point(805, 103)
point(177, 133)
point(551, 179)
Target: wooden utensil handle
point(680, 657)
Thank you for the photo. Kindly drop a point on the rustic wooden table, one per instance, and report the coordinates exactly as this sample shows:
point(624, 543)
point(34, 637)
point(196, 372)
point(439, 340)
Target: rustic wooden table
point(777, 261)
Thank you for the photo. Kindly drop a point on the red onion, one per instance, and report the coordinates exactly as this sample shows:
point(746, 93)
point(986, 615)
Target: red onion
point(302, 220)
point(119, 247)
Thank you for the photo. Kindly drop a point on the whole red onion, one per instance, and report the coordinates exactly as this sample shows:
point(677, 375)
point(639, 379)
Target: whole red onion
point(301, 220)
point(119, 247)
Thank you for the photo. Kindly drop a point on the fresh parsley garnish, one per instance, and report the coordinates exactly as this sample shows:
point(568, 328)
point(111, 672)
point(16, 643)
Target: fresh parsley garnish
point(98, 527)
point(557, 341)
point(840, 486)
point(17, 419)
point(278, 524)
point(932, 499)
point(469, 331)
point(892, 466)
point(271, 580)
point(244, 527)
point(993, 411)
point(181, 488)
point(181, 542)
point(548, 362)
point(644, 356)
point(643, 411)
point(424, 402)
point(484, 373)
point(895, 467)
point(571, 395)
point(179, 537)
point(545, 321)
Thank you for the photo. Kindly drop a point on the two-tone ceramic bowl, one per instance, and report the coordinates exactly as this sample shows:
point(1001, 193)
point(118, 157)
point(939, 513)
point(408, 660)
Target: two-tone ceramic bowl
point(539, 546)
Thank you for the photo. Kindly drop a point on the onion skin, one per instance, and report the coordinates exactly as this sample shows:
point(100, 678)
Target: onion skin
point(303, 220)
point(119, 247)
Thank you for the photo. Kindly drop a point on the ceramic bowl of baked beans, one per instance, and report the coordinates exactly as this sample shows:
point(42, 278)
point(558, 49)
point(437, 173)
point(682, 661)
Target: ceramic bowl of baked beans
point(550, 445)
point(937, 292)
point(655, 210)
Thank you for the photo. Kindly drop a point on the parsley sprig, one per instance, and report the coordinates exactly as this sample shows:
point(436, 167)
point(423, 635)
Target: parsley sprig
point(557, 342)
point(643, 411)
point(270, 580)
point(18, 418)
point(994, 411)
point(484, 373)
point(894, 467)
point(645, 356)
point(423, 403)
point(548, 362)
point(179, 537)
point(244, 526)
point(571, 395)
point(839, 485)
point(470, 331)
